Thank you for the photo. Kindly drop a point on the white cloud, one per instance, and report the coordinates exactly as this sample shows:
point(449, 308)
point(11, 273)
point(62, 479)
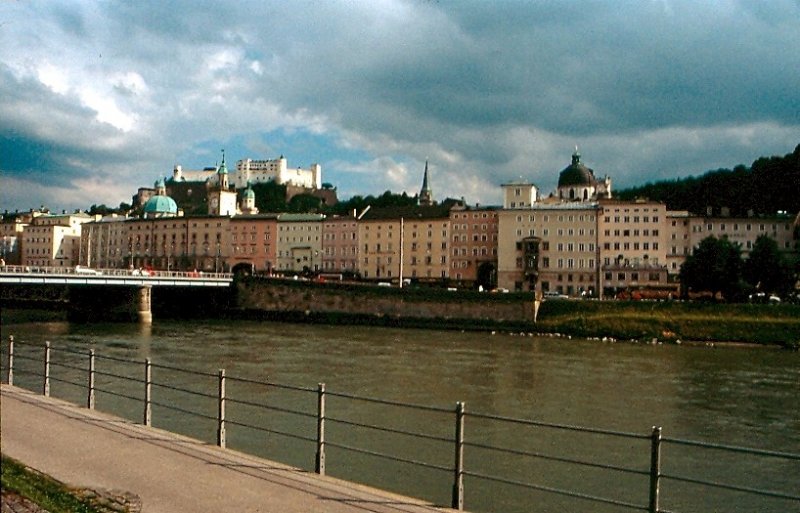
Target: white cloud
point(54, 78)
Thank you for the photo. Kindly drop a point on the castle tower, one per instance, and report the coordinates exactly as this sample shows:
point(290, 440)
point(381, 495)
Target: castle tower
point(425, 194)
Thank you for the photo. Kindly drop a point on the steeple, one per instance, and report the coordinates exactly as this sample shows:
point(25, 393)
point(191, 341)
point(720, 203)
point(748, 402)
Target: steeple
point(222, 173)
point(426, 194)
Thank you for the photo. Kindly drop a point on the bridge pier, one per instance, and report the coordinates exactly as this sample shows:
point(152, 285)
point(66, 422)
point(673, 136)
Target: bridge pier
point(144, 304)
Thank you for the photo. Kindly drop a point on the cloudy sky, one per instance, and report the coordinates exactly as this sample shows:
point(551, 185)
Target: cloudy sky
point(100, 98)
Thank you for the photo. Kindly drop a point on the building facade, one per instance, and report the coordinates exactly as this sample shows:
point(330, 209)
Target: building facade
point(549, 247)
point(299, 247)
point(473, 246)
point(632, 242)
point(52, 240)
point(340, 245)
point(253, 241)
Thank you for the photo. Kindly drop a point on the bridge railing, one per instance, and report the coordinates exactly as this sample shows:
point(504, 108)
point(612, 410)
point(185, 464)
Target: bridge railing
point(210, 406)
point(86, 271)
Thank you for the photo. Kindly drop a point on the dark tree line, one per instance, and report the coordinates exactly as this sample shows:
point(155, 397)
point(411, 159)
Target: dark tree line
point(716, 266)
point(770, 184)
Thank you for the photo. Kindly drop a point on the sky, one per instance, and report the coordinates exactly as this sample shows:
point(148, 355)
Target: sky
point(100, 98)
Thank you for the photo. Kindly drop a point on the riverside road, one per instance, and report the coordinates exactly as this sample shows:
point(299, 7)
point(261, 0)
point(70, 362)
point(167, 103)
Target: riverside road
point(170, 473)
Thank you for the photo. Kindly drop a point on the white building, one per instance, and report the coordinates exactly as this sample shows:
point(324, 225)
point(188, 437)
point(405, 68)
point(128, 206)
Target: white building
point(276, 170)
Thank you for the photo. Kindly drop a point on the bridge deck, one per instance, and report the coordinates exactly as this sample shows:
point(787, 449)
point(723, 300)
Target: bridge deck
point(171, 473)
point(134, 277)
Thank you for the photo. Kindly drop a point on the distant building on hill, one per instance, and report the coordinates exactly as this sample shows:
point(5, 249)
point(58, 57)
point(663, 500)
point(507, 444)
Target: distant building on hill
point(276, 170)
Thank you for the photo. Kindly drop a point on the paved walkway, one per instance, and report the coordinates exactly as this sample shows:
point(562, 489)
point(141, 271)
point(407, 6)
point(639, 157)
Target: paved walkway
point(170, 473)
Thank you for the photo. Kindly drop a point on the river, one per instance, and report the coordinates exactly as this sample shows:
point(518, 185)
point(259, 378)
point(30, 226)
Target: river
point(734, 395)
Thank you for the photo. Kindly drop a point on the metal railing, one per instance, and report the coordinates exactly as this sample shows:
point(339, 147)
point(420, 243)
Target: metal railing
point(84, 272)
point(317, 411)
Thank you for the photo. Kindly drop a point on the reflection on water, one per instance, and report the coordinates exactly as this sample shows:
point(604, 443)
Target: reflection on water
point(738, 395)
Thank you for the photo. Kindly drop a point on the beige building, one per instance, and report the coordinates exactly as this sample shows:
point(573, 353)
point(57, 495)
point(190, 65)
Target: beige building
point(549, 247)
point(426, 241)
point(379, 243)
point(632, 240)
point(299, 247)
point(519, 195)
point(685, 231)
point(412, 242)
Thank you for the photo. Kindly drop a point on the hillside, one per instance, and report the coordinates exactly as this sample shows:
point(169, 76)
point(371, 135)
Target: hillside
point(769, 185)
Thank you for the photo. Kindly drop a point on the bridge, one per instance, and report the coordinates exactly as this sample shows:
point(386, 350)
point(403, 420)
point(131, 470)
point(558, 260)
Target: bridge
point(142, 279)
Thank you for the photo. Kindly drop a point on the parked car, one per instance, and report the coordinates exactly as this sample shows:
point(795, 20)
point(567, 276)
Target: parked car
point(554, 294)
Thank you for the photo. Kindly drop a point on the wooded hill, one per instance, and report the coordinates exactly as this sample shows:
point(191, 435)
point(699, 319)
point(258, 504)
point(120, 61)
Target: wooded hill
point(769, 185)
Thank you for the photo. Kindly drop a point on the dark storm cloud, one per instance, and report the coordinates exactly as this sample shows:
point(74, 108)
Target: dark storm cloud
point(490, 91)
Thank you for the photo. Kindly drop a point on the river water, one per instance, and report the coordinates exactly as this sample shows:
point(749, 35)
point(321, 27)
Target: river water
point(743, 396)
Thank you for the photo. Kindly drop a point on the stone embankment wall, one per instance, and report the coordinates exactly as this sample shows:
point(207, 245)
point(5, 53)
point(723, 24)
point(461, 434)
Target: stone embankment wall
point(378, 305)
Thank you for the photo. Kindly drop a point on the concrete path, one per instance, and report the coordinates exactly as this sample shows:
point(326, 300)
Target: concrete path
point(170, 473)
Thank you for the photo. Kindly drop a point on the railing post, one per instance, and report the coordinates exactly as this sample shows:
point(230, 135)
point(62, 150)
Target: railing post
point(148, 385)
point(320, 459)
point(46, 385)
point(458, 481)
point(655, 468)
point(90, 397)
point(11, 359)
point(221, 410)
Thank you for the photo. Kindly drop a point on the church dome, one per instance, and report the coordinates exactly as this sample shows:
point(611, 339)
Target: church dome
point(160, 205)
point(576, 174)
point(249, 194)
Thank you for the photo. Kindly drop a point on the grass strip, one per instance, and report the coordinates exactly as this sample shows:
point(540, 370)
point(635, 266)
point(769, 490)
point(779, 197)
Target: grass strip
point(41, 489)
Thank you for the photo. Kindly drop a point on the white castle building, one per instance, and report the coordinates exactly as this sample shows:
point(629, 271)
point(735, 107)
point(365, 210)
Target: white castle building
point(276, 170)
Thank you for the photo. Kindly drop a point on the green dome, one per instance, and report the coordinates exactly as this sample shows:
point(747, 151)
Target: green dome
point(160, 205)
point(249, 194)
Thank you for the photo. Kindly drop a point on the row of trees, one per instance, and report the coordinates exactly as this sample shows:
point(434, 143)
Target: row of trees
point(716, 266)
point(767, 186)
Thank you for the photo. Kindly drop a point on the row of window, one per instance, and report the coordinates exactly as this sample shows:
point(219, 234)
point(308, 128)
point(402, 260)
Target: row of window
point(571, 218)
point(475, 227)
point(636, 219)
point(637, 246)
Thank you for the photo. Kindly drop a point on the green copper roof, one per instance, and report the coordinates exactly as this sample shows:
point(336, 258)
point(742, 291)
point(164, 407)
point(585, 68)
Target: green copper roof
point(160, 205)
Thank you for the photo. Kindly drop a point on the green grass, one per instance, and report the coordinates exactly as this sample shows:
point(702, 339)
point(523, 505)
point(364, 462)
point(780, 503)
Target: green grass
point(41, 489)
point(670, 321)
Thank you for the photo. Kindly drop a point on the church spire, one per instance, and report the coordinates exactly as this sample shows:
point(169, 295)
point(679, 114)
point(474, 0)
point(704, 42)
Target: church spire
point(426, 194)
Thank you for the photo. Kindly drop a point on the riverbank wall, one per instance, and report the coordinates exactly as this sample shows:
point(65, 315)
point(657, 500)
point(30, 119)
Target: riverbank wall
point(369, 304)
point(257, 298)
point(640, 321)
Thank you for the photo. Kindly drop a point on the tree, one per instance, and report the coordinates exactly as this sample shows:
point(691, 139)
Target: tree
point(714, 266)
point(303, 203)
point(767, 270)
